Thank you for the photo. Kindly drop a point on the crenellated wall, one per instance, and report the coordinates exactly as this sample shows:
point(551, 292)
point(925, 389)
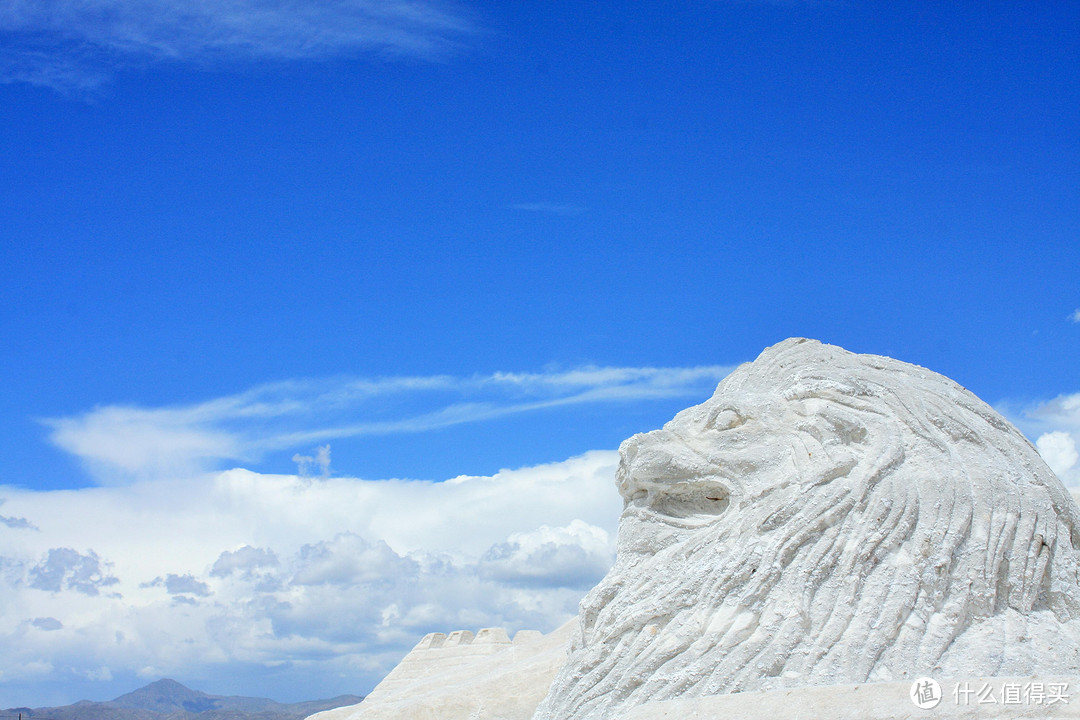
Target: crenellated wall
point(481, 676)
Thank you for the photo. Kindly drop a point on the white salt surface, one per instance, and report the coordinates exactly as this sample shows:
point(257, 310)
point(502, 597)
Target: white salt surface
point(481, 677)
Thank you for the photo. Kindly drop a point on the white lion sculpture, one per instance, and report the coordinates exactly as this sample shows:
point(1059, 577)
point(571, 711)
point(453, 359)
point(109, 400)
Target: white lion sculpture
point(827, 518)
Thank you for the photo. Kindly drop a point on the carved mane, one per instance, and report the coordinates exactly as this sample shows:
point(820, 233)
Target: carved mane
point(881, 522)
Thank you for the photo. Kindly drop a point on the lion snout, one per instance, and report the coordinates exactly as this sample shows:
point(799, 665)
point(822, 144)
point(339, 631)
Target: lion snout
point(658, 458)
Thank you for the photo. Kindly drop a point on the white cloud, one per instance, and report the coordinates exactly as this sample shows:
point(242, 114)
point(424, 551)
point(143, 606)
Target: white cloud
point(318, 582)
point(348, 560)
point(572, 556)
point(1056, 426)
point(321, 584)
point(1075, 317)
point(180, 585)
point(47, 624)
point(306, 464)
point(16, 523)
point(549, 207)
point(76, 44)
point(121, 443)
point(67, 569)
point(1058, 448)
point(246, 560)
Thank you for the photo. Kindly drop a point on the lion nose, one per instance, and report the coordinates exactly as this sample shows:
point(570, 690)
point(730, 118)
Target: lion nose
point(644, 449)
point(647, 451)
point(661, 456)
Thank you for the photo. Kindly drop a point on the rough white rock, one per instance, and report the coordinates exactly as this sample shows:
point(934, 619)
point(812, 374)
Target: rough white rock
point(465, 677)
point(826, 518)
point(967, 699)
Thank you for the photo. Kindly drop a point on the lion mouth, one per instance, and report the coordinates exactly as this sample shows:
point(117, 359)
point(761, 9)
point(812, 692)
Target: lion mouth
point(685, 504)
point(665, 478)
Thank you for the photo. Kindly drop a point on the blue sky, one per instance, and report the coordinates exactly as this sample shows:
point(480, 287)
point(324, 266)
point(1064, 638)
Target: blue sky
point(448, 239)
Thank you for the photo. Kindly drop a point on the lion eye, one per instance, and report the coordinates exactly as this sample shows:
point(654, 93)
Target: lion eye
point(725, 420)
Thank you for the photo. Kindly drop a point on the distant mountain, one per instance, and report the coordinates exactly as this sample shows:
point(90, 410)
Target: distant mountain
point(169, 700)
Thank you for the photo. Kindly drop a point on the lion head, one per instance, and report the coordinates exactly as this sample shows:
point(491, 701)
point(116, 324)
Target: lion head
point(827, 518)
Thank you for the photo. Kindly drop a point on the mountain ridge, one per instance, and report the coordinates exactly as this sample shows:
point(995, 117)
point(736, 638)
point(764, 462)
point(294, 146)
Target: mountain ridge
point(167, 699)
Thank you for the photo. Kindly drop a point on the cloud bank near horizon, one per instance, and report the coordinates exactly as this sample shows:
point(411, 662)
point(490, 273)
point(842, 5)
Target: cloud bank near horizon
point(331, 579)
point(75, 45)
point(119, 443)
point(319, 581)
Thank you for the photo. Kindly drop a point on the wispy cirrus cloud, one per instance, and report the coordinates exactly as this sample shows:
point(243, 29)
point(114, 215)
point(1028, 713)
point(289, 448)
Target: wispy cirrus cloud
point(74, 45)
point(549, 208)
point(119, 443)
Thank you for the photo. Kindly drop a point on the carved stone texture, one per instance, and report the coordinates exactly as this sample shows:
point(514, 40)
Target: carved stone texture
point(826, 518)
point(462, 676)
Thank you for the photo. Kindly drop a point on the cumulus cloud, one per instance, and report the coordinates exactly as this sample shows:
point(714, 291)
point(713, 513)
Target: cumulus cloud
point(16, 523)
point(1058, 448)
point(246, 561)
point(65, 568)
point(323, 585)
point(307, 464)
point(239, 573)
point(77, 44)
point(124, 443)
point(573, 556)
point(180, 585)
point(1055, 425)
point(48, 624)
point(1075, 317)
point(349, 560)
